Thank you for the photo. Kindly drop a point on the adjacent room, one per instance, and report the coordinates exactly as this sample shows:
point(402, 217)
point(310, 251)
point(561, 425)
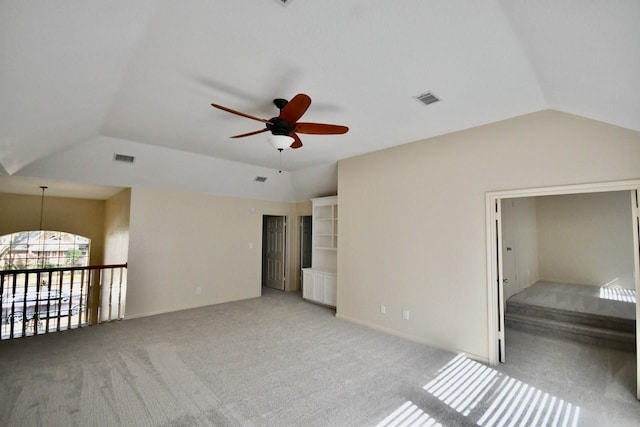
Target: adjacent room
point(319, 213)
point(568, 265)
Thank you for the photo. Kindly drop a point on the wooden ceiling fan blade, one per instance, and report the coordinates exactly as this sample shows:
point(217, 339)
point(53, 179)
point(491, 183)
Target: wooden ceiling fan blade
point(321, 129)
point(296, 143)
point(249, 133)
point(229, 110)
point(295, 108)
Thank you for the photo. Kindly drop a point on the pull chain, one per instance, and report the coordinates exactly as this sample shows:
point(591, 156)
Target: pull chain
point(280, 161)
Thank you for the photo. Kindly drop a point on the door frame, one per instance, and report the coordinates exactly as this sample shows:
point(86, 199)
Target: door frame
point(494, 284)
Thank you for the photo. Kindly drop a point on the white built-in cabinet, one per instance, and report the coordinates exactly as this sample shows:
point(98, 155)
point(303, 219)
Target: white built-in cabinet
point(319, 286)
point(320, 283)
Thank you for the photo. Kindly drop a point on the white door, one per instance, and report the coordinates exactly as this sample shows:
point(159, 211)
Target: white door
point(274, 253)
point(509, 264)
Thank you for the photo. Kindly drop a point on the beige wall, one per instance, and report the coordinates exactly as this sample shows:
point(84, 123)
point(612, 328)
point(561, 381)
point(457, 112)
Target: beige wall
point(78, 216)
point(116, 251)
point(173, 242)
point(412, 218)
point(116, 228)
point(304, 208)
point(181, 241)
point(586, 238)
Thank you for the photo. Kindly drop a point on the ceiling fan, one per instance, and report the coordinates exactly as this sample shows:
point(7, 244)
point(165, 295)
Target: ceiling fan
point(286, 123)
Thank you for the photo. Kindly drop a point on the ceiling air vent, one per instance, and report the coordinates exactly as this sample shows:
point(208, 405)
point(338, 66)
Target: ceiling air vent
point(427, 98)
point(260, 179)
point(123, 158)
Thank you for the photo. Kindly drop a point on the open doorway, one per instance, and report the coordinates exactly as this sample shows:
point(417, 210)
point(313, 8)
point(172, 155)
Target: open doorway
point(501, 260)
point(274, 251)
point(573, 239)
point(567, 264)
point(305, 243)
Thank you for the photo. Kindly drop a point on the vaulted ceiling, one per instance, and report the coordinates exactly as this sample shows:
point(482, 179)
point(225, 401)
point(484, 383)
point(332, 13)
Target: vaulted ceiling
point(81, 80)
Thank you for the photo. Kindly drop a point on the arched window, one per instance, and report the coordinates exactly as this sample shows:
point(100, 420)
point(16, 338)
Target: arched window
point(43, 249)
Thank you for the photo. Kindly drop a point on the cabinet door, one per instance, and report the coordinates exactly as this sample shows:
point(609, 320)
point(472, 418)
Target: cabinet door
point(330, 290)
point(318, 287)
point(307, 285)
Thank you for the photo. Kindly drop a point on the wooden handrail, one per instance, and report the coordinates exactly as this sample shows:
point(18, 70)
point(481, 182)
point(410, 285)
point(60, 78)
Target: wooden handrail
point(47, 270)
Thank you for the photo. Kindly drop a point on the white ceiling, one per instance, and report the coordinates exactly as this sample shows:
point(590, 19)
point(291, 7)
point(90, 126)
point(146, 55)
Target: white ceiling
point(82, 79)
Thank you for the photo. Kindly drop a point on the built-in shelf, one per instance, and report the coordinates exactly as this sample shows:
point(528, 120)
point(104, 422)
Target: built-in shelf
point(319, 283)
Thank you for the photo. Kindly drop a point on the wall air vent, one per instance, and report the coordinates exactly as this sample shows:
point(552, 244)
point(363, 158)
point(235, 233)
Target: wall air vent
point(123, 158)
point(427, 98)
point(260, 178)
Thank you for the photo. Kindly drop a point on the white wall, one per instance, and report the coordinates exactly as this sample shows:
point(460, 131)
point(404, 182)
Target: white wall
point(180, 241)
point(586, 238)
point(412, 218)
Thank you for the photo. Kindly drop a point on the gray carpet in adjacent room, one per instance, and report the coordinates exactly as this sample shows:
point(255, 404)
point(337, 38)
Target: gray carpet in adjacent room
point(279, 361)
point(597, 300)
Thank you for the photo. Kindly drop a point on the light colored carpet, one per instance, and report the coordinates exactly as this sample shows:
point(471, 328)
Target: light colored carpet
point(603, 301)
point(280, 361)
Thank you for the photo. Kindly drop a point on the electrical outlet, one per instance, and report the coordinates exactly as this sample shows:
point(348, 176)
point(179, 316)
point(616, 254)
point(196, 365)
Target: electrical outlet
point(198, 290)
point(405, 314)
point(383, 309)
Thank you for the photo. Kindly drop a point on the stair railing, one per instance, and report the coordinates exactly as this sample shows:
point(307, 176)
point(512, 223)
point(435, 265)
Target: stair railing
point(44, 300)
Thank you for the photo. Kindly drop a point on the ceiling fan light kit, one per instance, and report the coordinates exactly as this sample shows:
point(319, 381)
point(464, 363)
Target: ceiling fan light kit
point(280, 142)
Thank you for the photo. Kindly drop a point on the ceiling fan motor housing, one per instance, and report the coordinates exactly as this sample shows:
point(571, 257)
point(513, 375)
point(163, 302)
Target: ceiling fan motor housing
point(278, 126)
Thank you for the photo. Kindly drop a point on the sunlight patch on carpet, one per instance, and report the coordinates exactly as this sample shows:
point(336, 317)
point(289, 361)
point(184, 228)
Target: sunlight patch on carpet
point(464, 384)
point(408, 414)
point(617, 293)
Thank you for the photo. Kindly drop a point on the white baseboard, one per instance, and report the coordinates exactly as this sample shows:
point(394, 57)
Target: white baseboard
point(155, 313)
